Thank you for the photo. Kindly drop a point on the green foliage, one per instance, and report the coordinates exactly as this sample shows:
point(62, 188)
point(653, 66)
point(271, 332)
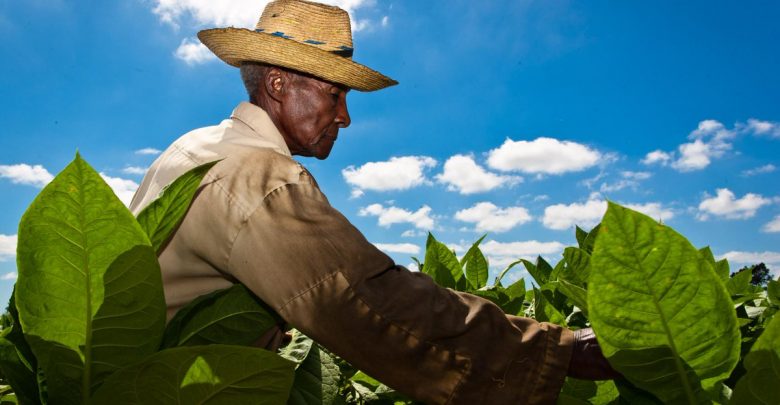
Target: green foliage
point(761, 384)
point(89, 325)
point(216, 374)
point(663, 318)
point(83, 254)
point(91, 310)
point(230, 316)
point(160, 218)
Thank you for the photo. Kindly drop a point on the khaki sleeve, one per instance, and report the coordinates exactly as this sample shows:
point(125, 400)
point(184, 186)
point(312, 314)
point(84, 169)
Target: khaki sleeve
point(307, 261)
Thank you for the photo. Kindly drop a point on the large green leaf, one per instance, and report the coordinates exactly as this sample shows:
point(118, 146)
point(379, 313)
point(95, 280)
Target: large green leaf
point(89, 292)
point(739, 283)
point(160, 218)
point(476, 266)
point(577, 269)
point(215, 374)
point(316, 374)
point(316, 379)
point(441, 264)
point(540, 271)
point(721, 267)
point(577, 294)
point(761, 384)
point(544, 311)
point(663, 318)
point(230, 316)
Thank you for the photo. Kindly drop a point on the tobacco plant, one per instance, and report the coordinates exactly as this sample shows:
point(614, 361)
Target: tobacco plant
point(86, 322)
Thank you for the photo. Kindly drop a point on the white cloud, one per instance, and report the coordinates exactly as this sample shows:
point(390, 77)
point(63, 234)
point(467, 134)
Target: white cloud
point(771, 259)
point(407, 248)
point(543, 155)
point(398, 173)
point(772, 226)
point(11, 275)
point(193, 52)
point(22, 173)
point(763, 128)
point(490, 218)
point(710, 140)
point(586, 215)
point(385, 21)
point(412, 266)
point(7, 247)
point(657, 156)
point(464, 175)
point(123, 188)
point(726, 205)
point(653, 210)
point(411, 233)
point(636, 175)
point(394, 215)
point(236, 13)
point(502, 254)
point(768, 168)
point(148, 151)
point(134, 170)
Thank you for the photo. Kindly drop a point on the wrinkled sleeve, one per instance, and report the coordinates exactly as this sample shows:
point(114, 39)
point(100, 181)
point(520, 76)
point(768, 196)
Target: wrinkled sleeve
point(307, 261)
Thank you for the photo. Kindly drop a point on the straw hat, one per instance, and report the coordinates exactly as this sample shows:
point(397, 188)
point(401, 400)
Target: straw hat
point(301, 35)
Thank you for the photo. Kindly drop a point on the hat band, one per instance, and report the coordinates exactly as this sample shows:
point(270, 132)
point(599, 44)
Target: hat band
point(343, 51)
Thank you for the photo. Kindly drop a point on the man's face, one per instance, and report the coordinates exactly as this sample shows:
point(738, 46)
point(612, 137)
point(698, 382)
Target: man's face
point(312, 113)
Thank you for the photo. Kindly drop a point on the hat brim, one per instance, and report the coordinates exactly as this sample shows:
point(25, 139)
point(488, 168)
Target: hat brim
point(236, 45)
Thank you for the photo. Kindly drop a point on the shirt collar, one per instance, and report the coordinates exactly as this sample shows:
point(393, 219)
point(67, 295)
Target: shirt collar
point(260, 123)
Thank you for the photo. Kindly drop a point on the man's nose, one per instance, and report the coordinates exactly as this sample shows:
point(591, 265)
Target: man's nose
point(342, 116)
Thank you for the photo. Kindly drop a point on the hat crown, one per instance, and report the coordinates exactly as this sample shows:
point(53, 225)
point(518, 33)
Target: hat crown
point(319, 25)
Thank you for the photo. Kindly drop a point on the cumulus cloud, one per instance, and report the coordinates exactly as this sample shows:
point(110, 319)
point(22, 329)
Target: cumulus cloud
point(487, 217)
point(411, 233)
point(543, 156)
point(657, 157)
point(134, 170)
point(725, 204)
point(762, 128)
point(148, 151)
point(464, 175)
point(710, 140)
point(123, 188)
point(653, 210)
point(7, 247)
point(237, 13)
point(588, 214)
point(768, 168)
point(772, 226)
point(11, 275)
point(502, 254)
point(35, 175)
point(565, 216)
point(771, 259)
point(393, 215)
point(407, 248)
point(398, 173)
point(192, 52)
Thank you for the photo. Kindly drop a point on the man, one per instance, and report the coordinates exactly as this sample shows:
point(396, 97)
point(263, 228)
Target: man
point(260, 219)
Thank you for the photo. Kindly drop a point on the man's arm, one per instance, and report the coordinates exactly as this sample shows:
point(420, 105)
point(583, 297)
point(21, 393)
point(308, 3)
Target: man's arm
point(310, 264)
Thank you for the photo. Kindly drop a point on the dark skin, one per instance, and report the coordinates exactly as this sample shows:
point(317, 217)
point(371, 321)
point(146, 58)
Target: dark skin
point(309, 113)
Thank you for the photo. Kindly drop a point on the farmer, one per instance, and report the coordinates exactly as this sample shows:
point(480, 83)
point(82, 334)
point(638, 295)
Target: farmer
point(260, 219)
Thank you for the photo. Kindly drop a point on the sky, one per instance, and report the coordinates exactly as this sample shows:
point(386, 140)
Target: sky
point(517, 119)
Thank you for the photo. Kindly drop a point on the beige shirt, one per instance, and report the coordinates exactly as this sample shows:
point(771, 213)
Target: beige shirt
point(260, 219)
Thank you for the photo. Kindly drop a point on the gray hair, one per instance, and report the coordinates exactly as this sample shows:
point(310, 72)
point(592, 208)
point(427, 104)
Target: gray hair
point(253, 75)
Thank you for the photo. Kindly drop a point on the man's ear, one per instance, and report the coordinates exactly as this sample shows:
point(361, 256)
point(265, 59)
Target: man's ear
point(275, 83)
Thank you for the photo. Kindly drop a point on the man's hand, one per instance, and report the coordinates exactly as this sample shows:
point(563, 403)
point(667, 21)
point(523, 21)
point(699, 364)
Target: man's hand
point(587, 362)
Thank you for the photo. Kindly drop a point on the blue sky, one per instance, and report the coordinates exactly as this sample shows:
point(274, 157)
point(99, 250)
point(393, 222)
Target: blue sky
point(512, 118)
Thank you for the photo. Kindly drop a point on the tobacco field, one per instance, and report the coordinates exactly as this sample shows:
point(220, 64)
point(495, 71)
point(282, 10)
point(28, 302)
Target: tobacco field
point(86, 323)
